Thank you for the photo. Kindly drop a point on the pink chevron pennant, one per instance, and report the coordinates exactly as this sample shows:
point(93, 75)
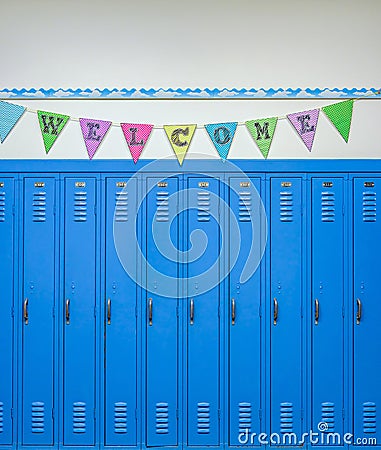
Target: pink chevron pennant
point(136, 135)
point(305, 124)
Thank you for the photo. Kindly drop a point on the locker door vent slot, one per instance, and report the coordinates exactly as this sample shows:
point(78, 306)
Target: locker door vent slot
point(244, 417)
point(121, 206)
point(286, 417)
point(369, 417)
point(39, 206)
point(286, 206)
point(244, 206)
point(38, 417)
point(369, 206)
point(80, 206)
point(1, 417)
point(327, 207)
point(162, 418)
point(120, 418)
point(162, 211)
point(203, 418)
point(79, 417)
point(203, 203)
point(2, 206)
point(328, 415)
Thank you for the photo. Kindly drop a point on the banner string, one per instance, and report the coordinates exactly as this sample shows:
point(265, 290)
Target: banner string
point(161, 127)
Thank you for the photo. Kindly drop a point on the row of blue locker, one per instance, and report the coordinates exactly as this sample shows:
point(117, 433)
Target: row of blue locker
point(148, 335)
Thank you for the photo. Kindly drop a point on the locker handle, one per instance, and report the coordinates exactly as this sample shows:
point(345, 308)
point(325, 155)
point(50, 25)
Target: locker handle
point(150, 311)
point(317, 311)
point(26, 313)
point(108, 312)
point(67, 311)
point(233, 311)
point(359, 311)
point(192, 311)
point(275, 311)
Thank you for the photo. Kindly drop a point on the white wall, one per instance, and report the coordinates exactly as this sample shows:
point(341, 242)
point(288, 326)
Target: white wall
point(169, 43)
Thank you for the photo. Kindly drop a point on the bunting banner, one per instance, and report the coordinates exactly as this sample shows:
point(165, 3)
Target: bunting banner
point(305, 124)
point(9, 116)
point(136, 135)
point(180, 137)
point(340, 114)
point(51, 125)
point(94, 132)
point(222, 135)
point(262, 132)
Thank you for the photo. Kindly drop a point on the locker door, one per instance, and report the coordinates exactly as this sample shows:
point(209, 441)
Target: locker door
point(162, 364)
point(367, 308)
point(38, 315)
point(327, 303)
point(7, 200)
point(120, 319)
point(203, 317)
point(286, 305)
point(79, 311)
point(244, 317)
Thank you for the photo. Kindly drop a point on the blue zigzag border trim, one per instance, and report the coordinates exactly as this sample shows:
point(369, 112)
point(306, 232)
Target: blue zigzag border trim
point(187, 93)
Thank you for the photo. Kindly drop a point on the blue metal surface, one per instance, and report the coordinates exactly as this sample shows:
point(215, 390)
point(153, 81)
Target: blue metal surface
point(245, 323)
point(326, 311)
point(367, 334)
point(203, 327)
point(286, 296)
point(120, 320)
point(39, 250)
point(173, 384)
point(79, 309)
point(162, 358)
point(7, 273)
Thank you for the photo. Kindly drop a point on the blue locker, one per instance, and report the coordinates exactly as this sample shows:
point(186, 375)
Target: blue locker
point(121, 330)
point(39, 252)
point(327, 303)
point(366, 308)
point(162, 323)
point(79, 309)
point(286, 306)
point(245, 329)
point(203, 344)
point(7, 279)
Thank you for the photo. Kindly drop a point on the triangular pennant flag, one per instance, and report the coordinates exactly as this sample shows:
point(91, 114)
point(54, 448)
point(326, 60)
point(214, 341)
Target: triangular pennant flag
point(305, 124)
point(340, 114)
point(51, 125)
point(180, 137)
point(222, 135)
point(262, 131)
point(136, 135)
point(9, 116)
point(93, 133)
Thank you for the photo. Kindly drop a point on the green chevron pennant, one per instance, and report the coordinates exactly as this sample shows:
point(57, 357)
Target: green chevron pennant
point(340, 114)
point(51, 125)
point(262, 132)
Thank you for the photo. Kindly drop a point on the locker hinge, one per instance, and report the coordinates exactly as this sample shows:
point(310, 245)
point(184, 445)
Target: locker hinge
point(52, 413)
point(95, 210)
point(343, 413)
point(136, 414)
point(95, 311)
point(343, 311)
point(302, 414)
point(219, 311)
point(260, 310)
point(54, 311)
point(343, 209)
point(260, 414)
point(13, 210)
point(12, 311)
point(95, 414)
point(177, 311)
point(54, 210)
point(177, 414)
point(219, 415)
point(12, 413)
point(301, 311)
point(136, 311)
